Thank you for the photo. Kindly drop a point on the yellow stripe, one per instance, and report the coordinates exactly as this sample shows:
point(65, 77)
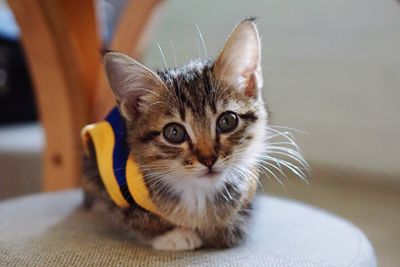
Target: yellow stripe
point(138, 188)
point(103, 138)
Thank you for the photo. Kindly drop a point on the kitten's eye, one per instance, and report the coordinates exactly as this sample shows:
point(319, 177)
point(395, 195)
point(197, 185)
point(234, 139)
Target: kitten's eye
point(174, 133)
point(227, 122)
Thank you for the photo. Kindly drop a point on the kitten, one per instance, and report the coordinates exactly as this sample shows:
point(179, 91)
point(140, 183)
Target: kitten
point(198, 134)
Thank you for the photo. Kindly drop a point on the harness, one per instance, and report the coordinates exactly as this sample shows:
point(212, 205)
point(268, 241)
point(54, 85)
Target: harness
point(121, 175)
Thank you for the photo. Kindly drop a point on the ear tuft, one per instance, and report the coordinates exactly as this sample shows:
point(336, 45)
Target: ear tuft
point(239, 62)
point(130, 82)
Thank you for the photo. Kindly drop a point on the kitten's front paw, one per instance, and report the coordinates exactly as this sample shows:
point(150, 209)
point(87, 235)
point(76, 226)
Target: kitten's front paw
point(177, 239)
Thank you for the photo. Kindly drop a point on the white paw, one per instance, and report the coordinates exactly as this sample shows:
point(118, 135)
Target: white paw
point(177, 239)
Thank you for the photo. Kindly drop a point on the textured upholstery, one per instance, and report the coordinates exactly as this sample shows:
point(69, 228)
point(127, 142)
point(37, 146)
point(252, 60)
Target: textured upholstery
point(52, 230)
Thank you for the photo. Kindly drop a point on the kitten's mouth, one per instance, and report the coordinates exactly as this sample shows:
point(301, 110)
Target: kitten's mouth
point(210, 173)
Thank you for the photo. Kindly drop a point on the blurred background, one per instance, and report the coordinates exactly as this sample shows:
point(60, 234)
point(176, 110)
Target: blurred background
point(331, 70)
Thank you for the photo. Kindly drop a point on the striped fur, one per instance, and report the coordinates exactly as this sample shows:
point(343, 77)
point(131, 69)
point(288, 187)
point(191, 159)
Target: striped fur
point(215, 207)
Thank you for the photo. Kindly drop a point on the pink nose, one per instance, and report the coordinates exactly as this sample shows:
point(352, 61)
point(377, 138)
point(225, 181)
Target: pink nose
point(208, 160)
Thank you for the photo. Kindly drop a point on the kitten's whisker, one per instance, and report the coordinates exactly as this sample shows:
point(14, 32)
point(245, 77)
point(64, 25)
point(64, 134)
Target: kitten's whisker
point(162, 55)
point(280, 143)
point(160, 164)
point(279, 168)
point(292, 167)
point(157, 188)
point(288, 128)
point(155, 184)
point(299, 160)
point(199, 50)
point(295, 169)
point(152, 172)
point(155, 167)
point(256, 177)
point(155, 174)
point(294, 152)
point(244, 172)
point(202, 41)
point(164, 189)
point(229, 194)
point(273, 166)
point(263, 168)
point(223, 194)
point(286, 135)
point(160, 189)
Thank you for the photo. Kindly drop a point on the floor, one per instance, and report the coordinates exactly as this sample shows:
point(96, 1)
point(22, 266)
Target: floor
point(375, 209)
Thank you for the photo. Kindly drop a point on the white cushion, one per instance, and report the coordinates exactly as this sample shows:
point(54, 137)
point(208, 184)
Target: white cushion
point(52, 229)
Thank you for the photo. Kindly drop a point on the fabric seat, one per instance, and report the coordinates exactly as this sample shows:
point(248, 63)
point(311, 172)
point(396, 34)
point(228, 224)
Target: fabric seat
point(52, 229)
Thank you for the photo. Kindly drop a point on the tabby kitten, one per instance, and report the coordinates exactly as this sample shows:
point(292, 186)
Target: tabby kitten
point(198, 133)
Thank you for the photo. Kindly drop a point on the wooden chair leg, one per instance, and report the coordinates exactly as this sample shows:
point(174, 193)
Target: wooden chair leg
point(61, 44)
point(130, 37)
point(82, 23)
point(51, 41)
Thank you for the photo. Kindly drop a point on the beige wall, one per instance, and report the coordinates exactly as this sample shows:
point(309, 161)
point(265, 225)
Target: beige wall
point(332, 68)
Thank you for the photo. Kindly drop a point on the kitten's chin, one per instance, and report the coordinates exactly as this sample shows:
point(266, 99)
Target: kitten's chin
point(203, 200)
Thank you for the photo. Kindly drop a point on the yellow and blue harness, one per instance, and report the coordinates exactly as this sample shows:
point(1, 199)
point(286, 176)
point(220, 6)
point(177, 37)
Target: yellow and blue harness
point(119, 172)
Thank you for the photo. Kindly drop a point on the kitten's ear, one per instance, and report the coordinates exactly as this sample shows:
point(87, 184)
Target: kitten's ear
point(130, 82)
point(238, 63)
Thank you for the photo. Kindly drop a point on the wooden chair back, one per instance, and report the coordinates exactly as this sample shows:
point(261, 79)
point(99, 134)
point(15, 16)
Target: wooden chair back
point(61, 42)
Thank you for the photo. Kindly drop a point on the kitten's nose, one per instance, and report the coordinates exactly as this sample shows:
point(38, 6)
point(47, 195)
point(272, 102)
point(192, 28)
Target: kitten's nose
point(208, 160)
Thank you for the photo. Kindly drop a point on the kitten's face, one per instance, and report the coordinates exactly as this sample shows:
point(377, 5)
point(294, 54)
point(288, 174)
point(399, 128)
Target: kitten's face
point(197, 131)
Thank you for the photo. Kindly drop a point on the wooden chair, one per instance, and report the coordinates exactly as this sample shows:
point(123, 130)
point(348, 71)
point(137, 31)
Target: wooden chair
point(62, 45)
